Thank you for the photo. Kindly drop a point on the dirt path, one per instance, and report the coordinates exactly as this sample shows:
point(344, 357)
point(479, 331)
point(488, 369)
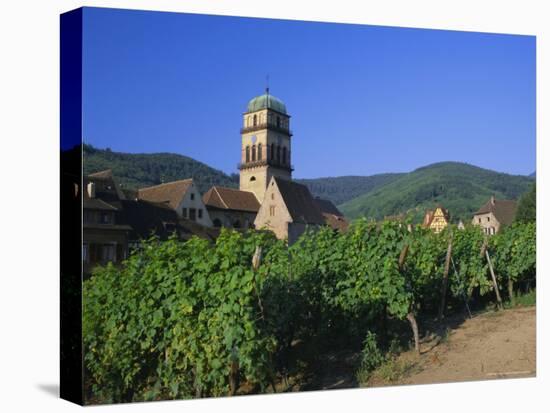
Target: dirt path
point(488, 346)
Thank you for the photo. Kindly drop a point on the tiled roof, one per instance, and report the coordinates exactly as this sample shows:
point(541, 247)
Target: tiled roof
point(337, 222)
point(106, 174)
point(96, 203)
point(504, 210)
point(170, 193)
point(229, 198)
point(299, 202)
point(327, 207)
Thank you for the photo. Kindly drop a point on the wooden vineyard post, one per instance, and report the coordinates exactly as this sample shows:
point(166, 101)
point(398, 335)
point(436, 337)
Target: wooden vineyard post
point(445, 278)
point(495, 285)
point(410, 316)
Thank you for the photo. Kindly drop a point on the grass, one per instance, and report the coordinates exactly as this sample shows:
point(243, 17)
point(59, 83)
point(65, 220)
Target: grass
point(528, 299)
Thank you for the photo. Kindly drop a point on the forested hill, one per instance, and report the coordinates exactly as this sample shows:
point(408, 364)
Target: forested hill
point(141, 170)
point(344, 188)
point(459, 187)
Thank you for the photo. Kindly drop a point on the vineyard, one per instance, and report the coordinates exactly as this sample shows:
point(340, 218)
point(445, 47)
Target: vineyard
point(196, 319)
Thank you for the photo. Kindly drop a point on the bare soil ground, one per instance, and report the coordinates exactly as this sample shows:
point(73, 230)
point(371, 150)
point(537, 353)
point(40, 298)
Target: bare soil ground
point(489, 346)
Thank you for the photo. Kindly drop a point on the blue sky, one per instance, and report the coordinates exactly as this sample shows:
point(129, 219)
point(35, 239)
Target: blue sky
point(363, 99)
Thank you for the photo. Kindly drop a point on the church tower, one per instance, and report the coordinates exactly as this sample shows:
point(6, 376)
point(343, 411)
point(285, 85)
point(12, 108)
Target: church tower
point(265, 144)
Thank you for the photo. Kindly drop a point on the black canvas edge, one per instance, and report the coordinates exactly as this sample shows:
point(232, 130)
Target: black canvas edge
point(71, 355)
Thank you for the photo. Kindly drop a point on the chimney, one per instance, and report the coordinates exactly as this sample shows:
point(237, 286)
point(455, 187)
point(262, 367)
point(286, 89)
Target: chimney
point(91, 189)
point(492, 200)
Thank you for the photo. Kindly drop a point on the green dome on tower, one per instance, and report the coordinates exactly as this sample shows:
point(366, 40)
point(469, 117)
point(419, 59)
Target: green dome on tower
point(266, 101)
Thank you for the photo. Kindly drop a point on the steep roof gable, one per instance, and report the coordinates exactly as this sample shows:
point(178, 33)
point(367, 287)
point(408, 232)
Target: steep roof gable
point(229, 198)
point(170, 193)
point(504, 210)
point(300, 204)
point(327, 207)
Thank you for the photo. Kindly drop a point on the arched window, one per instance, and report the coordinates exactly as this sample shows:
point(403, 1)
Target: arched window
point(278, 122)
point(248, 121)
point(255, 120)
point(217, 223)
point(259, 151)
point(253, 153)
point(252, 178)
point(272, 151)
point(284, 155)
point(278, 154)
point(248, 154)
point(237, 224)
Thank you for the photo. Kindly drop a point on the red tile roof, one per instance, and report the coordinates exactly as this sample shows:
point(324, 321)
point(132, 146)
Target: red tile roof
point(299, 202)
point(504, 210)
point(229, 198)
point(170, 193)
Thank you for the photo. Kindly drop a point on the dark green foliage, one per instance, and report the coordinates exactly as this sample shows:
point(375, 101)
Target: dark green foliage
point(135, 171)
point(459, 187)
point(176, 317)
point(527, 206)
point(344, 188)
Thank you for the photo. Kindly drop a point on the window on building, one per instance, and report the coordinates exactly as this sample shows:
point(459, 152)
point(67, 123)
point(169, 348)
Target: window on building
point(272, 151)
point(106, 218)
point(272, 210)
point(200, 213)
point(480, 220)
point(252, 178)
point(237, 224)
point(192, 196)
point(217, 223)
point(255, 121)
point(85, 256)
point(259, 151)
point(107, 253)
point(247, 154)
point(278, 122)
point(184, 212)
point(88, 216)
point(278, 154)
point(272, 196)
point(488, 219)
point(253, 153)
point(192, 214)
point(284, 155)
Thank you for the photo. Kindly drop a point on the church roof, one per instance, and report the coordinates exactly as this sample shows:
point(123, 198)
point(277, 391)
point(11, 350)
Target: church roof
point(503, 210)
point(229, 198)
point(327, 207)
point(299, 202)
point(332, 215)
point(266, 101)
point(170, 193)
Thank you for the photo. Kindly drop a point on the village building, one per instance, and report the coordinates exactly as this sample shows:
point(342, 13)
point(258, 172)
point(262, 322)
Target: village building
point(232, 208)
point(182, 196)
point(332, 215)
point(437, 219)
point(495, 214)
point(148, 218)
point(105, 234)
point(288, 210)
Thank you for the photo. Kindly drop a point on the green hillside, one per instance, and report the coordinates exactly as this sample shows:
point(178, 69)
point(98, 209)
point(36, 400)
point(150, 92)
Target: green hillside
point(459, 187)
point(345, 188)
point(140, 170)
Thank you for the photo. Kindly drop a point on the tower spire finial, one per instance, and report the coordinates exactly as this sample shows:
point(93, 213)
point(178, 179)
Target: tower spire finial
point(267, 84)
